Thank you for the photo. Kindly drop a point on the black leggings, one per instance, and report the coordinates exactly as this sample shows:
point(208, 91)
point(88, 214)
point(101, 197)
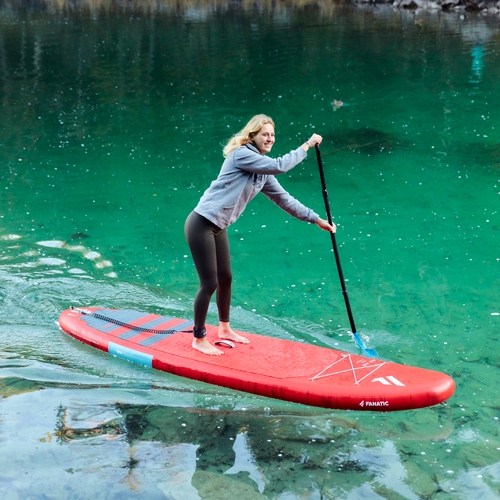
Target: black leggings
point(209, 247)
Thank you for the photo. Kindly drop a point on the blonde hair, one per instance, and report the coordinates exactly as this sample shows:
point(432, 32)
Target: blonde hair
point(247, 133)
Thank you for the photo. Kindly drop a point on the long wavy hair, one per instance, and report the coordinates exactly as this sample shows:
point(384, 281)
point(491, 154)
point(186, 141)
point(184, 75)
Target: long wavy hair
point(247, 133)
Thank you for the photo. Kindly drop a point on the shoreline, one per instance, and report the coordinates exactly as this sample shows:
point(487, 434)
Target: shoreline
point(181, 7)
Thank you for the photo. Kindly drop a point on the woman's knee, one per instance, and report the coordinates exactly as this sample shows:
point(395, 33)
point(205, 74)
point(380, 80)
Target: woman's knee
point(209, 286)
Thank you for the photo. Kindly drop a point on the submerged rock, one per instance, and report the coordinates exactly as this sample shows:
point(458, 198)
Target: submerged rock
point(213, 486)
point(442, 495)
point(419, 481)
point(479, 454)
point(12, 386)
point(418, 425)
point(305, 430)
point(78, 236)
point(387, 493)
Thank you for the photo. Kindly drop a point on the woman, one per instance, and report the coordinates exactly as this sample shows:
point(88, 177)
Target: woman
point(245, 172)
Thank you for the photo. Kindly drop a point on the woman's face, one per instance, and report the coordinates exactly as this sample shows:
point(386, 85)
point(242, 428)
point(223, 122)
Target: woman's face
point(264, 139)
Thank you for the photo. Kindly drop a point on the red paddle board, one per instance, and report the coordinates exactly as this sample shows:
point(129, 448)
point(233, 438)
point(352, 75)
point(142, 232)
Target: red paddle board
point(275, 368)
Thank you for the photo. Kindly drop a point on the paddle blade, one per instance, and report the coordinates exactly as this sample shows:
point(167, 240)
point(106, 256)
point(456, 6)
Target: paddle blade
point(369, 352)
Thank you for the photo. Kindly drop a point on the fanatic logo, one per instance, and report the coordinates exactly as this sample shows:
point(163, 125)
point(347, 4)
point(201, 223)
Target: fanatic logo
point(374, 403)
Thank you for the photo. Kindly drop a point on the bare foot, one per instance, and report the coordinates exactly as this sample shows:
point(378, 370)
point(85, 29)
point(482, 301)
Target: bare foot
point(204, 346)
point(225, 332)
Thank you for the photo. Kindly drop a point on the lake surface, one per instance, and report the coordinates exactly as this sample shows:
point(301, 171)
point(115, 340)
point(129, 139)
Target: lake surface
point(112, 122)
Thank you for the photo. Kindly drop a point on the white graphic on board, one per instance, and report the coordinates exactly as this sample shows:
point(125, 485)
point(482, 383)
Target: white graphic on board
point(392, 379)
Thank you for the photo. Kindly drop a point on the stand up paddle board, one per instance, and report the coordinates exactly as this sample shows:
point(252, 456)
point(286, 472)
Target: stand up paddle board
point(275, 368)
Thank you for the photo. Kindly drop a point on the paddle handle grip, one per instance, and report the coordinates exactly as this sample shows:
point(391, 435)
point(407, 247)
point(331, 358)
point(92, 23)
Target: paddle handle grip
point(334, 241)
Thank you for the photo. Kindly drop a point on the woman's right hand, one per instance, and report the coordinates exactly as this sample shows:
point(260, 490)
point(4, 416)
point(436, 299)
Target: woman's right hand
point(315, 140)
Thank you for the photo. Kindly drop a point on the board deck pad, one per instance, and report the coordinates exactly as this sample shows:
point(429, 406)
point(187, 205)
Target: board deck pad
point(276, 368)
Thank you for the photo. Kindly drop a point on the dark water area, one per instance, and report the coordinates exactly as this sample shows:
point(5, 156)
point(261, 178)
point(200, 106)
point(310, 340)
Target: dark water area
point(112, 121)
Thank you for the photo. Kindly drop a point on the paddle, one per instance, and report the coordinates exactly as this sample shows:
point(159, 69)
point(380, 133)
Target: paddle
point(369, 352)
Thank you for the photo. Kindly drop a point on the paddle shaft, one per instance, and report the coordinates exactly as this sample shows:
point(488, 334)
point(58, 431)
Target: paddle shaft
point(334, 241)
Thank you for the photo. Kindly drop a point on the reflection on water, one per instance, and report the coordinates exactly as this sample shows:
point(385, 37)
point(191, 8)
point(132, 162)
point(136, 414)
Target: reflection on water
point(477, 63)
point(111, 121)
point(142, 443)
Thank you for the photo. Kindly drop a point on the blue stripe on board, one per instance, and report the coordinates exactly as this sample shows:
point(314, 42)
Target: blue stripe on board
point(150, 324)
point(123, 315)
point(130, 354)
point(156, 338)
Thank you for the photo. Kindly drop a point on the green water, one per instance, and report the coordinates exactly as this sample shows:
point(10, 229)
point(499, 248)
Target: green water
point(111, 125)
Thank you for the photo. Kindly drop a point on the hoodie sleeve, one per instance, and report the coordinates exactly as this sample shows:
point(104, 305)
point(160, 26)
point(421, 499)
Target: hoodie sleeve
point(275, 192)
point(252, 161)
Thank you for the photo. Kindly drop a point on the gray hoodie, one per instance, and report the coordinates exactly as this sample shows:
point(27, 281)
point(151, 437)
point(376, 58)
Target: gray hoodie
point(244, 173)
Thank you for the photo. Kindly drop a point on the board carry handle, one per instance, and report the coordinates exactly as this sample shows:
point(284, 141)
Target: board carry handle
point(79, 310)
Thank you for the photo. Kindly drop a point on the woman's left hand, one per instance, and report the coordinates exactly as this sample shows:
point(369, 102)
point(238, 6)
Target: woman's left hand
point(323, 224)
